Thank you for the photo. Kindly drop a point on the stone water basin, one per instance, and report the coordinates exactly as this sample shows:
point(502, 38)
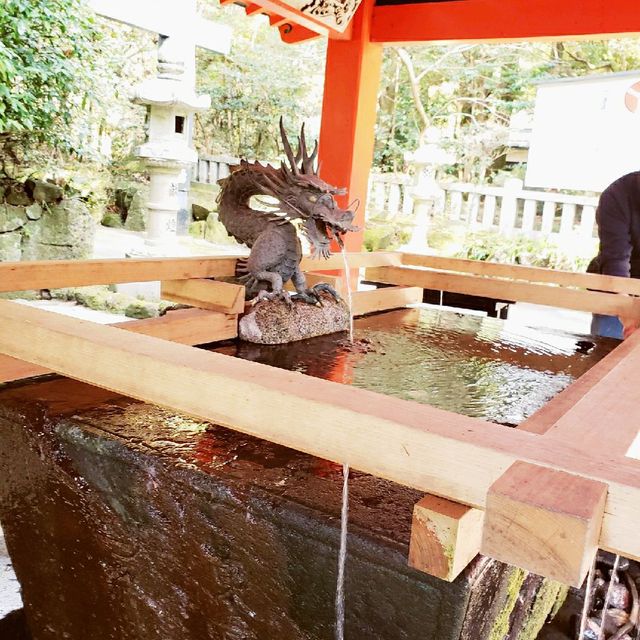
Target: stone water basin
point(126, 521)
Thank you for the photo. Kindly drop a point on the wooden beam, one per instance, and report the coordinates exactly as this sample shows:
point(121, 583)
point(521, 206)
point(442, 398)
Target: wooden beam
point(356, 260)
point(57, 274)
point(493, 20)
point(213, 295)
point(384, 299)
point(591, 281)
point(445, 537)
point(185, 326)
point(558, 407)
point(603, 416)
point(416, 445)
point(596, 302)
point(545, 521)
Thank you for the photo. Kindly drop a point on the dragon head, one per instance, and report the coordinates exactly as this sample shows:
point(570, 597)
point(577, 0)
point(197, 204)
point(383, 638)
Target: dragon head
point(303, 195)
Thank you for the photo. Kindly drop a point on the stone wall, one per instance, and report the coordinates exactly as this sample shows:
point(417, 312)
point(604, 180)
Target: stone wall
point(37, 222)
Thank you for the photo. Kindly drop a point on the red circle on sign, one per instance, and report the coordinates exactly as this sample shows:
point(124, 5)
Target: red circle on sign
point(632, 97)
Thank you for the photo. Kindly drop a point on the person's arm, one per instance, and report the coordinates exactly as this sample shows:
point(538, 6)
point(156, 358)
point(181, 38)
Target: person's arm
point(614, 229)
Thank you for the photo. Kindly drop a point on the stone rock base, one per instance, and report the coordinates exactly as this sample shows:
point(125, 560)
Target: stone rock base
point(275, 322)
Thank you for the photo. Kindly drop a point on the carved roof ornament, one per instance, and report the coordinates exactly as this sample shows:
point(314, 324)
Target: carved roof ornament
point(335, 14)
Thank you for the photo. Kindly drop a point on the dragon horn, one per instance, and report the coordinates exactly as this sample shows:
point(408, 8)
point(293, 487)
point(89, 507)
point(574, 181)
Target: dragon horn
point(312, 160)
point(307, 162)
point(287, 148)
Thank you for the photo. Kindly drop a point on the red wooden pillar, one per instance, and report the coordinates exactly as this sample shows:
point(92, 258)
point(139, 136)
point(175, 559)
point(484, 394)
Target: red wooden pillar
point(352, 77)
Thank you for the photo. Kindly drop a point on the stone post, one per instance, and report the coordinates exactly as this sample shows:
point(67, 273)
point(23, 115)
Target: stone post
point(427, 194)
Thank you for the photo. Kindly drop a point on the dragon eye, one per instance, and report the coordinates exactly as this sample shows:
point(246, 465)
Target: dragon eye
point(313, 198)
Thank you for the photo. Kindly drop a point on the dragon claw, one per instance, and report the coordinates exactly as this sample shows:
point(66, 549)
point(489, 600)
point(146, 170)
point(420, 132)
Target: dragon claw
point(272, 295)
point(309, 296)
point(327, 288)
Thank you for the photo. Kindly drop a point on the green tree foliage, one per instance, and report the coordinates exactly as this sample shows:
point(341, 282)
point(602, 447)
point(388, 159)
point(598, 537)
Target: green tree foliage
point(469, 92)
point(260, 80)
point(46, 60)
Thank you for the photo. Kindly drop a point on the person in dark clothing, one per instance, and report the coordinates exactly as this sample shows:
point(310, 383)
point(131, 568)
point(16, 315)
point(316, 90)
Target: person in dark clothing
point(618, 218)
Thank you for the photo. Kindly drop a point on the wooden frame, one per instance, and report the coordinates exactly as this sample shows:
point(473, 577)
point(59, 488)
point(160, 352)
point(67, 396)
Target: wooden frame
point(465, 460)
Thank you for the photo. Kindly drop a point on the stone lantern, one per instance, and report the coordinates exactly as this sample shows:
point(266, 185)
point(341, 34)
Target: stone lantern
point(171, 101)
point(427, 194)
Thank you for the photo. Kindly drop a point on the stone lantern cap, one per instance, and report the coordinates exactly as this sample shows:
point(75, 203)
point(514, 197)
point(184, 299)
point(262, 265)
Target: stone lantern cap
point(167, 92)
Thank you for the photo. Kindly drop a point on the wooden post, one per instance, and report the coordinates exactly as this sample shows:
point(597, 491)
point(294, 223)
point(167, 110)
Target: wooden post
point(545, 521)
point(349, 114)
point(205, 294)
point(445, 537)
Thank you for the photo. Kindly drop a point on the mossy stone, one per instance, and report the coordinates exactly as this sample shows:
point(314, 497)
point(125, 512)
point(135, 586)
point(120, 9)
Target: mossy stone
point(136, 219)
point(215, 231)
point(68, 224)
point(111, 219)
point(10, 249)
point(197, 229)
point(17, 195)
point(545, 606)
point(141, 309)
point(501, 623)
point(34, 211)
point(12, 217)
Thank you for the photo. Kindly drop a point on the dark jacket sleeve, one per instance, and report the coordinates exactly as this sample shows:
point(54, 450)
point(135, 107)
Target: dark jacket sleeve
point(614, 228)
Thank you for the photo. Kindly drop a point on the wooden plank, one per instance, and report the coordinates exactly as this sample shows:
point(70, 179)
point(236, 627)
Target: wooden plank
point(596, 302)
point(355, 260)
point(594, 281)
point(445, 537)
point(549, 414)
point(545, 521)
point(213, 295)
point(364, 302)
point(185, 326)
point(416, 445)
point(603, 417)
point(57, 274)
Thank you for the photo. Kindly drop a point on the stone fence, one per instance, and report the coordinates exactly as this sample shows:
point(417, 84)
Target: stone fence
point(509, 210)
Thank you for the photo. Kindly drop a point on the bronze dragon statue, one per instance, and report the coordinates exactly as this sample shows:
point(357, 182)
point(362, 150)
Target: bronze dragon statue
point(301, 197)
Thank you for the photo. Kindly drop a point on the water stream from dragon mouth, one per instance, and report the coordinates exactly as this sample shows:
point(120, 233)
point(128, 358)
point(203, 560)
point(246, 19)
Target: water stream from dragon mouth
point(347, 284)
point(343, 555)
point(344, 518)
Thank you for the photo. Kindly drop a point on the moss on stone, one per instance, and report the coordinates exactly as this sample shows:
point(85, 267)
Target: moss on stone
point(215, 231)
point(197, 229)
point(111, 219)
point(545, 604)
point(501, 624)
point(103, 298)
point(141, 309)
point(563, 592)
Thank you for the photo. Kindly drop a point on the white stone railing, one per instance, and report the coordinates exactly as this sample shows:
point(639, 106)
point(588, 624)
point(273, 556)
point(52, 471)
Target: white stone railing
point(513, 210)
point(389, 195)
point(510, 210)
point(210, 169)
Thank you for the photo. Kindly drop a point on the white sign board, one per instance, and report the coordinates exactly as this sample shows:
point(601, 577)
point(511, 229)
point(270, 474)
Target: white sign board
point(586, 132)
